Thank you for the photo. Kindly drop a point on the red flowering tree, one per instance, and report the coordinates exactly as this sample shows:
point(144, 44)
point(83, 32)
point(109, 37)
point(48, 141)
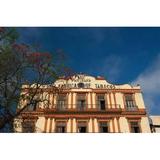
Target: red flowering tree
point(21, 64)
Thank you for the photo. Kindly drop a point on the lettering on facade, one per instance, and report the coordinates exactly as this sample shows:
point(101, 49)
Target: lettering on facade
point(104, 86)
point(82, 82)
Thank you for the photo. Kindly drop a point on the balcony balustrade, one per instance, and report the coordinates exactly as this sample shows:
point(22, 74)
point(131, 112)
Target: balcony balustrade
point(131, 108)
point(84, 107)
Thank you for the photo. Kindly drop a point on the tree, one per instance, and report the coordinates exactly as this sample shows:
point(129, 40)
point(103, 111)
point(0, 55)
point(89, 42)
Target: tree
point(21, 64)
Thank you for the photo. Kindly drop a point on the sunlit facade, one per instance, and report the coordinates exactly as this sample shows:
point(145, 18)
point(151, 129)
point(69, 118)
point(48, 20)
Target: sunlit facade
point(86, 104)
point(155, 124)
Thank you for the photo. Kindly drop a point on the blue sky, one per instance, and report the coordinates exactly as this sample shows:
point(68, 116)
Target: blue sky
point(121, 55)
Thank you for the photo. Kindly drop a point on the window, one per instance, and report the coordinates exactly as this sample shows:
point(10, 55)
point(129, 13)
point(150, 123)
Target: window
point(60, 127)
point(130, 104)
point(82, 127)
point(34, 103)
point(103, 127)
point(28, 126)
point(81, 102)
point(80, 85)
point(61, 104)
point(33, 106)
point(101, 102)
point(135, 127)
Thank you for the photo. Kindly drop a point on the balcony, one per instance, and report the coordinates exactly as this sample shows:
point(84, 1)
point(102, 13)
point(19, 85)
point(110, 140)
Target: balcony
point(84, 108)
point(131, 108)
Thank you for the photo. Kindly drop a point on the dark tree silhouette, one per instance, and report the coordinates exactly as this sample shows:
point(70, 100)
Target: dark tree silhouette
point(21, 64)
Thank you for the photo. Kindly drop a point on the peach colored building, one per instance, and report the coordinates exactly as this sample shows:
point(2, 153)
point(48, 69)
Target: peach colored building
point(155, 124)
point(86, 104)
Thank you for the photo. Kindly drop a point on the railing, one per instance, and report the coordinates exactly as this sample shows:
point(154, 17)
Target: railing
point(131, 108)
point(61, 108)
point(86, 107)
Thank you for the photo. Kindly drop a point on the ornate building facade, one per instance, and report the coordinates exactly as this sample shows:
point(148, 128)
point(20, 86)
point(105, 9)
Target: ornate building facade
point(86, 104)
point(155, 124)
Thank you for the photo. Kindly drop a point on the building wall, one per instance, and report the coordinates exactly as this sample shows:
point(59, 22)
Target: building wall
point(48, 125)
point(139, 100)
point(145, 125)
point(112, 99)
point(120, 99)
point(116, 113)
point(155, 120)
point(124, 126)
point(155, 124)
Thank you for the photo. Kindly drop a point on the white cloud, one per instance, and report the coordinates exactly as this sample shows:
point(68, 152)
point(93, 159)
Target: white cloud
point(150, 83)
point(113, 66)
point(110, 66)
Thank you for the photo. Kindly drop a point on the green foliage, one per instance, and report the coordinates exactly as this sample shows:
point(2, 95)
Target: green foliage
point(8, 35)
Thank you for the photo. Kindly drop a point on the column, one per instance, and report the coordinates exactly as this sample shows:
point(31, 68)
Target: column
point(89, 100)
point(107, 100)
point(45, 124)
point(94, 100)
point(69, 126)
point(118, 124)
point(115, 125)
point(69, 100)
point(48, 125)
point(93, 125)
point(53, 125)
point(112, 100)
point(110, 103)
point(74, 100)
point(110, 126)
point(96, 125)
point(114, 97)
point(90, 126)
point(74, 125)
point(50, 128)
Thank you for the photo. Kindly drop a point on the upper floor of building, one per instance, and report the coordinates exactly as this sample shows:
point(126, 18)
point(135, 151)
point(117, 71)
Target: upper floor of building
point(85, 93)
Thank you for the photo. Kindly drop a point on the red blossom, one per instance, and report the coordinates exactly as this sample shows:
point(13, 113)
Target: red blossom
point(38, 54)
point(38, 58)
point(35, 54)
point(48, 55)
point(21, 48)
